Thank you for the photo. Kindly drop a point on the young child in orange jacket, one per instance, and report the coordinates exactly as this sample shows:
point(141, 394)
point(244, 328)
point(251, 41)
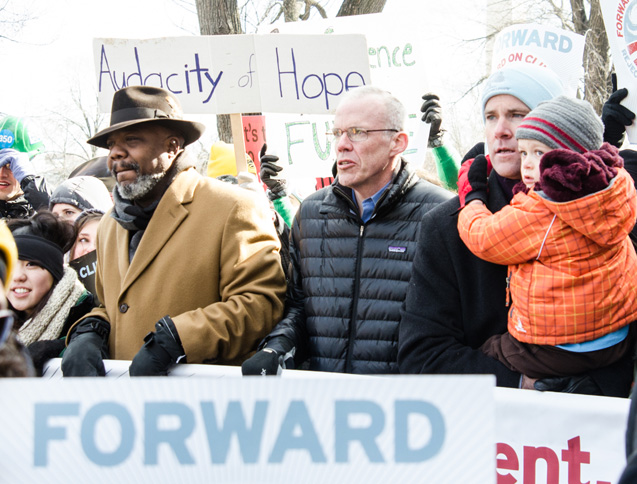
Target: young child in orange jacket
point(572, 267)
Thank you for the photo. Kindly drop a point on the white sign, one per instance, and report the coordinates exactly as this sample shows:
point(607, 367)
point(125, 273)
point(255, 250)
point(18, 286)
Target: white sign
point(225, 74)
point(620, 18)
point(540, 437)
point(543, 46)
point(558, 437)
point(400, 60)
point(239, 430)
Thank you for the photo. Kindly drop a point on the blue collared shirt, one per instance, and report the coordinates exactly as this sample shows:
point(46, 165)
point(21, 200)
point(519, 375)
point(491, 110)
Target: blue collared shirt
point(369, 204)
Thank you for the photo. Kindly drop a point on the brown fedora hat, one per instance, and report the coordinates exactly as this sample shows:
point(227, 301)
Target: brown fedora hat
point(145, 104)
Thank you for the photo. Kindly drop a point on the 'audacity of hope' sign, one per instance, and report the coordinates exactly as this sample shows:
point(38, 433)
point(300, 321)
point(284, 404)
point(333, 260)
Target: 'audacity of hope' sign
point(225, 74)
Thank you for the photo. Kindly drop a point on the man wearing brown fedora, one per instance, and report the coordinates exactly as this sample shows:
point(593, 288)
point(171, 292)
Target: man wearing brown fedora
point(192, 258)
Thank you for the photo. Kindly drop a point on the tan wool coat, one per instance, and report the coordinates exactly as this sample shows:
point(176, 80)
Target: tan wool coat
point(209, 259)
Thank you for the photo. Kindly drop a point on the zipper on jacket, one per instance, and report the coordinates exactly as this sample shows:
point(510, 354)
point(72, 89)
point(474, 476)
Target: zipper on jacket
point(508, 293)
point(353, 320)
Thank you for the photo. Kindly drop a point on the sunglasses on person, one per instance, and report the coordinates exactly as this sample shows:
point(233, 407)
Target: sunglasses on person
point(6, 325)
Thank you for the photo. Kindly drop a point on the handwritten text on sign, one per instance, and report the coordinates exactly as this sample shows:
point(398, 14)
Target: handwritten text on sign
point(225, 74)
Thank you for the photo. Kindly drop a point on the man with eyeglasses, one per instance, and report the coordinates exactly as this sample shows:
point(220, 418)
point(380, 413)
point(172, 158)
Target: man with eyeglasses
point(351, 247)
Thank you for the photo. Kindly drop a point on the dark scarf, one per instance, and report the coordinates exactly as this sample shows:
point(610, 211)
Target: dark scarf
point(506, 184)
point(135, 218)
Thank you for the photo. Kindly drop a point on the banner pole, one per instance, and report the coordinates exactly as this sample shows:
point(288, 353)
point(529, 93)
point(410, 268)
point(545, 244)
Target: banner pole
point(239, 145)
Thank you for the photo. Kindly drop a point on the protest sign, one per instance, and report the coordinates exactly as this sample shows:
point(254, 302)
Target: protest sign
point(541, 437)
point(620, 19)
point(266, 430)
point(226, 74)
point(398, 60)
point(543, 46)
point(85, 267)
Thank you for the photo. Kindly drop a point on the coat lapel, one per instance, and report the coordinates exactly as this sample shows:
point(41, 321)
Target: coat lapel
point(168, 216)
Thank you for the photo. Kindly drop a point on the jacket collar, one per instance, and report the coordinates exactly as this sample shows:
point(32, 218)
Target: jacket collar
point(170, 213)
point(339, 198)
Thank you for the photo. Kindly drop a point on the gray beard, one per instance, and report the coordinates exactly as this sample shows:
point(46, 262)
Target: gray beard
point(140, 187)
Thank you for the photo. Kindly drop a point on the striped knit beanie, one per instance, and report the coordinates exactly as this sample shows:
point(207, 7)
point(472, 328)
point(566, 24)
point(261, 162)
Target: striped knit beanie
point(563, 123)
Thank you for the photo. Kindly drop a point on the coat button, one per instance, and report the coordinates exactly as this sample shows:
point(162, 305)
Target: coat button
point(123, 308)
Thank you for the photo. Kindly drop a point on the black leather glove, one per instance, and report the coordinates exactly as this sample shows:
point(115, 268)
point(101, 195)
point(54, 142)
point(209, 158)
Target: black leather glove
point(277, 355)
point(266, 362)
point(86, 348)
point(477, 180)
point(616, 117)
point(432, 114)
point(582, 384)
point(270, 168)
point(161, 350)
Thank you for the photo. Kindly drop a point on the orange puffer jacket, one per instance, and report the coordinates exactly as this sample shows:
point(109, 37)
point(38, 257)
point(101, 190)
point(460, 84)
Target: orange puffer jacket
point(573, 269)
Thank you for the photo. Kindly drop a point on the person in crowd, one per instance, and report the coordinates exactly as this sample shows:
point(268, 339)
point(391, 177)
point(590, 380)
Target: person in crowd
point(77, 194)
point(455, 300)
point(190, 257)
point(616, 118)
point(85, 233)
point(98, 168)
point(14, 358)
point(351, 247)
point(269, 171)
point(22, 192)
point(46, 295)
point(446, 163)
point(572, 267)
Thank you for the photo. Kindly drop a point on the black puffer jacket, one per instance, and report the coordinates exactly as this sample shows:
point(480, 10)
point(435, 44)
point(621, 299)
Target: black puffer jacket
point(349, 278)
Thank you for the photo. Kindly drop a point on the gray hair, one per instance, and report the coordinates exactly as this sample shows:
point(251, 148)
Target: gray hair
point(395, 113)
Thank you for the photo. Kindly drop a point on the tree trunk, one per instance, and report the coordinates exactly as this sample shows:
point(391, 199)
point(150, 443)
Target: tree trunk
point(290, 10)
point(597, 64)
point(360, 7)
point(219, 17)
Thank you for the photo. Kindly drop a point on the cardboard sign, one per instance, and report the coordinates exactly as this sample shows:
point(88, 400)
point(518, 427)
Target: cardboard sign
point(620, 19)
point(236, 430)
point(225, 74)
point(543, 46)
point(254, 136)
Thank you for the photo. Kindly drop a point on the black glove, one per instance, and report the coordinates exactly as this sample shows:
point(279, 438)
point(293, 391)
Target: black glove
point(43, 351)
point(477, 180)
point(582, 384)
point(269, 168)
point(266, 362)
point(616, 117)
point(161, 350)
point(86, 348)
point(277, 355)
point(432, 114)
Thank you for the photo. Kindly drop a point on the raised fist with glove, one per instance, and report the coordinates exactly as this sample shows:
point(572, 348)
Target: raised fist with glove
point(17, 162)
point(162, 349)
point(616, 117)
point(432, 115)
point(86, 348)
point(269, 169)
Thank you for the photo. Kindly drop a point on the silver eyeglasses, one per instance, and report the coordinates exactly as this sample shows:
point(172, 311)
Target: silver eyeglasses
point(355, 134)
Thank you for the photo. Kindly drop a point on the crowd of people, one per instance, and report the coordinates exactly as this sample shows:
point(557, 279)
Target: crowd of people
point(526, 273)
